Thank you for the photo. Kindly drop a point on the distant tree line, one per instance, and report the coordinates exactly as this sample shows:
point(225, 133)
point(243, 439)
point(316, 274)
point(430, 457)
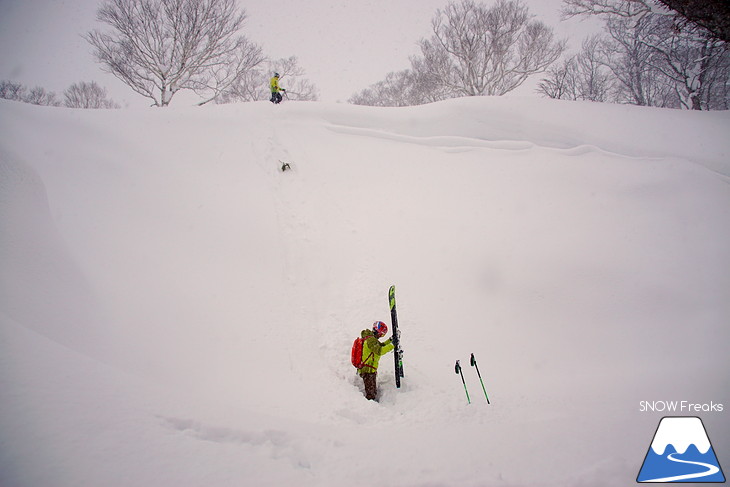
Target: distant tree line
point(474, 50)
point(648, 55)
point(78, 95)
point(160, 47)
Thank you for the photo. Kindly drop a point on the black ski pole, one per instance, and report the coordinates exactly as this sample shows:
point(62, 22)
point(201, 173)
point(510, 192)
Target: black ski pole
point(474, 364)
point(458, 371)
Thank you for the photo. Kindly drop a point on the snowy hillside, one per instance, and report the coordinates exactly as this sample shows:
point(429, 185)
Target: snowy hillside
point(176, 311)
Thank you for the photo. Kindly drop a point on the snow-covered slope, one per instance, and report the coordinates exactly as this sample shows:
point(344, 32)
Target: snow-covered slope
point(175, 310)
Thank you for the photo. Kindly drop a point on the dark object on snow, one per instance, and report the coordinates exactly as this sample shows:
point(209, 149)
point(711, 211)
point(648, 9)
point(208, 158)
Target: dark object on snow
point(284, 166)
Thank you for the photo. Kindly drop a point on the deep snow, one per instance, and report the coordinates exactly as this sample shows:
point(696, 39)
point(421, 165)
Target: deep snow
point(176, 311)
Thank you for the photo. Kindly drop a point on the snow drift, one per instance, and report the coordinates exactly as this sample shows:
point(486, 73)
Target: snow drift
point(175, 310)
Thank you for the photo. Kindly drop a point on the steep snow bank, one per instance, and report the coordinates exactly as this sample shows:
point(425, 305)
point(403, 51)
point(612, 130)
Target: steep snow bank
point(178, 311)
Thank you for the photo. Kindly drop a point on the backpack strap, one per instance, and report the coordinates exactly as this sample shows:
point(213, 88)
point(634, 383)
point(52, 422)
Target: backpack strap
point(366, 359)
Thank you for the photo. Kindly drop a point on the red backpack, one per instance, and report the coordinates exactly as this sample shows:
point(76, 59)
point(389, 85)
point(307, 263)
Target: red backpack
point(356, 353)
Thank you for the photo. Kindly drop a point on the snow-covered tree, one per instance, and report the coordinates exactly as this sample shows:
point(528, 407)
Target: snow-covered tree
point(633, 62)
point(394, 91)
point(87, 95)
point(159, 47)
point(39, 96)
point(685, 56)
point(254, 85)
point(658, 61)
point(238, 65)
point(10, 90)
point(595, 82)
point(479, 50)
point(582, 76)
point(560, 80)
point(475, 50)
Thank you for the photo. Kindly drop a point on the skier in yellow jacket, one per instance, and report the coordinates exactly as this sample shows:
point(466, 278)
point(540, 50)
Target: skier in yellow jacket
point(275, 89)
point(372, 350)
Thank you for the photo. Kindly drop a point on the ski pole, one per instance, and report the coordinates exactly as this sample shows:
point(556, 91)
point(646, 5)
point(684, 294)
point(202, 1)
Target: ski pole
point(474, 364)
point(458, 371)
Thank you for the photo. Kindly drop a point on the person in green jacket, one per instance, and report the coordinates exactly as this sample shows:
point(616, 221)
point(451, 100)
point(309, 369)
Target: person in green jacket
point(275, 89)
point(372, 350)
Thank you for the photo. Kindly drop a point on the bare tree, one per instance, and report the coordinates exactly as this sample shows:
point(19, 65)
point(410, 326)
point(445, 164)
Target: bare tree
point(595, 82)
point(658, 61)
point(159, 47)
point(292, 78)
point(686, 57)
point(560, 81)
point(10, 90)
point(582, 76)
point(408, 87)
point(632, 62)
point(254, 86)
point(425, 86)
point(621, 8)
point(476, 50)
point(87, 95)
point(235, 66)
point(39, 96)
point(393, 91)
point(716, 96)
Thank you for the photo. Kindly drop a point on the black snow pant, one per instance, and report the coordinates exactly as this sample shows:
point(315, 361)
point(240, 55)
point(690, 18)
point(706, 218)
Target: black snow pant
point(275, 98)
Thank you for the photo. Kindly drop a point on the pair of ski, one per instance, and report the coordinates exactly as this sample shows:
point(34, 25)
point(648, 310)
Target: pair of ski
point(398, 351)
point(457, 368)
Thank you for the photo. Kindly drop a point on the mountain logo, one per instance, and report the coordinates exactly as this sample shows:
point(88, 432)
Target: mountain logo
point(681, 452)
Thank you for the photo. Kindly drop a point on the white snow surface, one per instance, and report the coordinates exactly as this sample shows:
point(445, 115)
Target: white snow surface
point(176, 311)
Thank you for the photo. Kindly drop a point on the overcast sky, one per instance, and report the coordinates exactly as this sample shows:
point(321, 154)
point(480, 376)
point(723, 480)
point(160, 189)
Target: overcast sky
point(343, 45)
